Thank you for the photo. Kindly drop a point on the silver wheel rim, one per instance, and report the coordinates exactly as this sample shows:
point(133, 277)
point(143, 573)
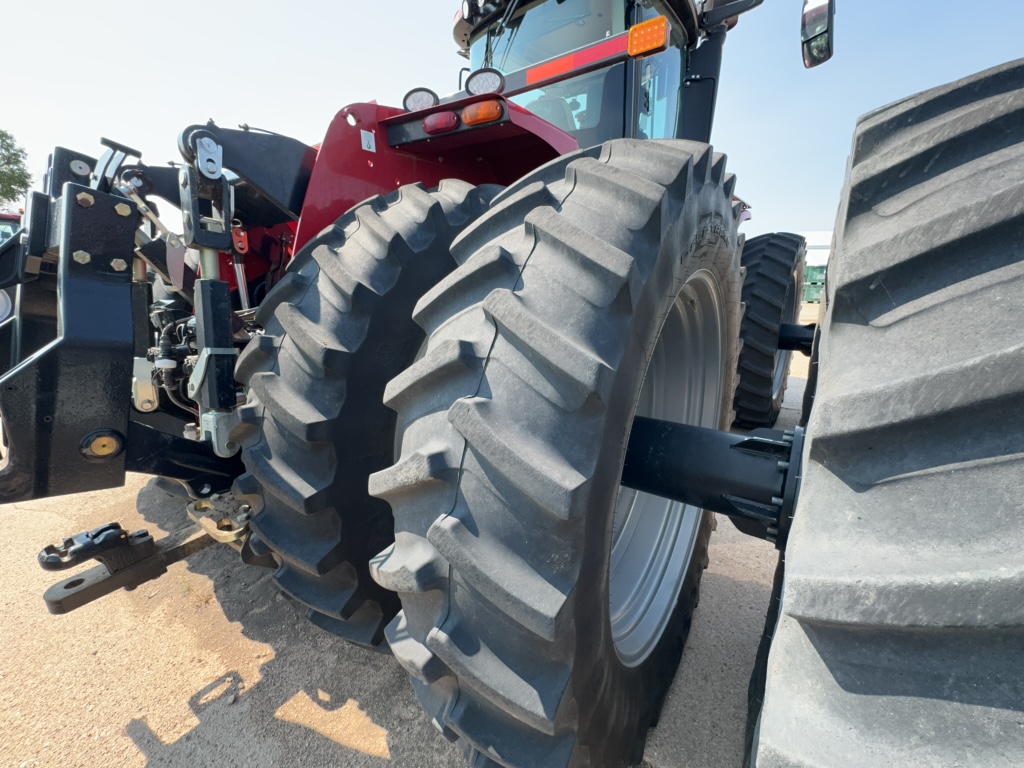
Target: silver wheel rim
point(653, 539)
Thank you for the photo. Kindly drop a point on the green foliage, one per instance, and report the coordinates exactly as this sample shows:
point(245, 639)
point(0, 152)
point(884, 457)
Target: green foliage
point(14, 176)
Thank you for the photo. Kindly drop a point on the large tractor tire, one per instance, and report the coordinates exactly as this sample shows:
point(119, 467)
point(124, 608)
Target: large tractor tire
point(544, 608)
point(771, 292)
point(901, 632)
point(337, 328)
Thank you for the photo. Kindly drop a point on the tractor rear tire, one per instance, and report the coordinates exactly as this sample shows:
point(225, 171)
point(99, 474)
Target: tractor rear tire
point(606, 268)
point(771, 293)
point(337, 328)
point(901, 632)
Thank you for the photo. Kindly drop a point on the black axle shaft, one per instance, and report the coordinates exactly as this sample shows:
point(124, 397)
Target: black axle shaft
point(752, 477)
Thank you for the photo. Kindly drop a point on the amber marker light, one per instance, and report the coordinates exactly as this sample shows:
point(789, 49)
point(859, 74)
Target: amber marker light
point(650, 37)
point(482, 112)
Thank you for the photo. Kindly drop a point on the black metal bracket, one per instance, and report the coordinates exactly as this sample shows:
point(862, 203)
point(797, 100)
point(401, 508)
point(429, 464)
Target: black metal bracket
point(67, 355)
point(213, 383)
point(108, 167)
point(126, 561)
point(206, 210)
point(156, 447)
point(161, 181)
point(799, 338)
point(722, 13)
point(753, 478)
point(273, 171)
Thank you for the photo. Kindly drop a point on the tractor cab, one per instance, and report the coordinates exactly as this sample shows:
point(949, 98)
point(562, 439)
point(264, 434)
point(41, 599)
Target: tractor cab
point(626, 97)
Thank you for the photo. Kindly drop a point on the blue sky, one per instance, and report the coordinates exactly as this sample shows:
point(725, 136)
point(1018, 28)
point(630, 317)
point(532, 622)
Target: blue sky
point(140, 72)
point(788, 130)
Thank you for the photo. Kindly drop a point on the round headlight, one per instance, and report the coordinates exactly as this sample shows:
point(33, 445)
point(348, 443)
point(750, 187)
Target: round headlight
point(420, 98)
point(467, 10)
point(485, 81)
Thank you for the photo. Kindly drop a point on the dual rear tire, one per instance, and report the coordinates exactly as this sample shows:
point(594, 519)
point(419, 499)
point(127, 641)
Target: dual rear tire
point(544, 608)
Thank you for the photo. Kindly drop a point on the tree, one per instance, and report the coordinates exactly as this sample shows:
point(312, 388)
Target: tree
point(14, 176)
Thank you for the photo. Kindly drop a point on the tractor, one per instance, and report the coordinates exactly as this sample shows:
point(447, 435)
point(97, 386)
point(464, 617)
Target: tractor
point(474, 375)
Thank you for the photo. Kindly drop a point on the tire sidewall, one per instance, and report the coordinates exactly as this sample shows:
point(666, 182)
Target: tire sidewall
point(624, 701)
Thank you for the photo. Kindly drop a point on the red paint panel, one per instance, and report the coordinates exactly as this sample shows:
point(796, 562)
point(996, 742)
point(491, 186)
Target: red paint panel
point(607, 49)
point(550, 70)
point(560, 141)
point(348, 172)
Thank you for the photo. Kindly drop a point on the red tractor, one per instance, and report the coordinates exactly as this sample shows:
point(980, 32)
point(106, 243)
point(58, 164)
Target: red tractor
point(463, 375)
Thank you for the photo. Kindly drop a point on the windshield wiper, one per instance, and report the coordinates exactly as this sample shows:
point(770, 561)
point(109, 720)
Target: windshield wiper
point(509, 12)
point(498, 30)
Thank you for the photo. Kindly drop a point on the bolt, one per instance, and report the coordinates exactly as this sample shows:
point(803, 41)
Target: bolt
point(101, 445)
point(79, 167)
point(85, 199)
point(147, 405)
point(119, 265)
point(123, 209)
point(82, 257)
point(136, 182)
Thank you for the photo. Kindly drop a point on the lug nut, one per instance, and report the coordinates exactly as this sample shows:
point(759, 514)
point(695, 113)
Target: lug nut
point(119, 265)
point(82, 257)
point(123, 209)
point(85, 199)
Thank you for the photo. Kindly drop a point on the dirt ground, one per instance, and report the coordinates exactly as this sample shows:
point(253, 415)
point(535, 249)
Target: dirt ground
point(211, 666)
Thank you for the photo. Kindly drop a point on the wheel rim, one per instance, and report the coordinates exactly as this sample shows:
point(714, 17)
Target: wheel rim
point(782, 356)
point(653, 539)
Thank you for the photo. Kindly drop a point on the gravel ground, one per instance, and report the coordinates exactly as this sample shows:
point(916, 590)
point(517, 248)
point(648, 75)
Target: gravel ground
point(210, 666)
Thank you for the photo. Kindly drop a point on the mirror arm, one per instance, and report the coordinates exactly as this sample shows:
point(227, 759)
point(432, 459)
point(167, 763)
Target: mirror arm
point(722, 13)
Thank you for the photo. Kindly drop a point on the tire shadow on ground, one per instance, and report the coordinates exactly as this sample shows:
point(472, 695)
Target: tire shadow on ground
point(317, 700)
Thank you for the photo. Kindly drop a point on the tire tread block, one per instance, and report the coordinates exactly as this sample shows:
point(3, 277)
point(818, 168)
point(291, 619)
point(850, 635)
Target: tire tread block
point(901, 631)
point(318, 320)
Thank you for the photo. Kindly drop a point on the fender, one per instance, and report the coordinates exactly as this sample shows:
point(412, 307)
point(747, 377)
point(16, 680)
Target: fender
point(373, 150)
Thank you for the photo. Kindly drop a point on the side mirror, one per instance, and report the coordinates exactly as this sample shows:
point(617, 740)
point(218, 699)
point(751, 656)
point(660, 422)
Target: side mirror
point(816, 31)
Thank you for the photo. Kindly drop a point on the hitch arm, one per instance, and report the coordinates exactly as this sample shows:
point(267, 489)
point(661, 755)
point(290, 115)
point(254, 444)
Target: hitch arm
point(126, 561)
